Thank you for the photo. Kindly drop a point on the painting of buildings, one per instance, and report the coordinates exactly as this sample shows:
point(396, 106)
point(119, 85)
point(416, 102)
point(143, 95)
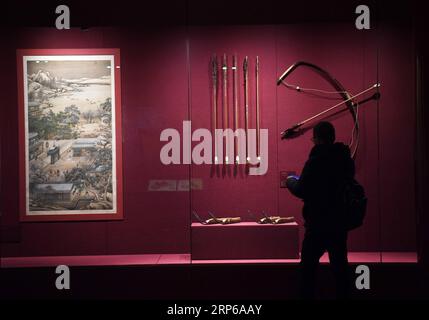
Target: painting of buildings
point(70, 134)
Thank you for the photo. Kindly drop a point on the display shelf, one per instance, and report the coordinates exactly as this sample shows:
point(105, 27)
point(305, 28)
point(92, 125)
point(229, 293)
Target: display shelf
point(245, 240)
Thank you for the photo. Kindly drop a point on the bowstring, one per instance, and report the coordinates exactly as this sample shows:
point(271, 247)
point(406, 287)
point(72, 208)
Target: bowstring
point(354, 130)
point(298, 88)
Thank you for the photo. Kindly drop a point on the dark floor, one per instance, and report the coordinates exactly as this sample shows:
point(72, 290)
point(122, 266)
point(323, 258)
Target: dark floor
point(203, 281)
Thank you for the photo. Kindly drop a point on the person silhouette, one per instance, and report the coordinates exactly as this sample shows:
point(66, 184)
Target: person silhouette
point(328, 167)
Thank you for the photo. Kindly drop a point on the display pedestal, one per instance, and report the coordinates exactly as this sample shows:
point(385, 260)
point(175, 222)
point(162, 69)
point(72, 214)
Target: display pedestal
point(246, 240)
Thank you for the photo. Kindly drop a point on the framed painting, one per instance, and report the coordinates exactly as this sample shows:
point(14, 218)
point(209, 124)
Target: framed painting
point(70, 150)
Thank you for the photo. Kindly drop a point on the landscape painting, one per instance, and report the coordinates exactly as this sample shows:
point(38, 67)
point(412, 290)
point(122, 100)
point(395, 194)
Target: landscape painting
point(70, 127)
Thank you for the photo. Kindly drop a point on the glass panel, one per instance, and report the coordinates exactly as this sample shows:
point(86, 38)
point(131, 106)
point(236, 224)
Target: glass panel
point(229, 190)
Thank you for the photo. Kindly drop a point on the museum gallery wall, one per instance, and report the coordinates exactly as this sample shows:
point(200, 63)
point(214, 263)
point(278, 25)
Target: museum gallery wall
point(165, 79)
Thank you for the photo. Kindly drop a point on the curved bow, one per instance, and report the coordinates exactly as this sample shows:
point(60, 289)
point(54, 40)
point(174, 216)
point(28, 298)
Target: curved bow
point(345, 95)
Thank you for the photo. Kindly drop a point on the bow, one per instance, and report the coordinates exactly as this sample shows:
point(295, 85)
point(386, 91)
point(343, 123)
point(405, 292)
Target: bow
point(348, 100)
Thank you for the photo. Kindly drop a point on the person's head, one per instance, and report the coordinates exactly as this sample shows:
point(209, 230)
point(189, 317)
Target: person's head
point(323, 133)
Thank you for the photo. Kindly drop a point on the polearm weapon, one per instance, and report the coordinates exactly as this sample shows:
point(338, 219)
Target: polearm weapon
point(225, 100)
point(235, 91)
point(246, 103)
point(258, 137)
point(348, 100)
point(292, 131)
point(214, 83)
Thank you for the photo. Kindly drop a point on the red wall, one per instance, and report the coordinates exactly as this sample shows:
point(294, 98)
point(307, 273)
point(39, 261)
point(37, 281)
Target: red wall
point(159, 66)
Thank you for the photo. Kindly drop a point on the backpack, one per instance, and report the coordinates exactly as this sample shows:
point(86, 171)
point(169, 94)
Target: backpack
point(355, 203)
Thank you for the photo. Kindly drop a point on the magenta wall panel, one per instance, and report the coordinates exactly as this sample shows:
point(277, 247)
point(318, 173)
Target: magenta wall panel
point(228, 190)
point(154, 98)
point(165, 79)
point(397, 139)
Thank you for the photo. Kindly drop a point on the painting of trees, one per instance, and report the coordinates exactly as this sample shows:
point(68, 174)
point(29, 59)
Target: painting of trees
point(67, 120)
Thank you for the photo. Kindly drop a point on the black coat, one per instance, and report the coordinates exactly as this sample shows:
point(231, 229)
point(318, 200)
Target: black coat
point(320, 185)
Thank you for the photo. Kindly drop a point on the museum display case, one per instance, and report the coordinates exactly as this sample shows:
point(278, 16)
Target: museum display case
point(362, 66)
point(184, 198)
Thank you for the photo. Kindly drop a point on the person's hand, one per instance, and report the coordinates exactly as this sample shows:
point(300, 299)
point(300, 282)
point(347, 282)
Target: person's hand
point(292, 181)
point(295, 177)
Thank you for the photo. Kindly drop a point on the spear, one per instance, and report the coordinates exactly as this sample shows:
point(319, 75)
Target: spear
point(258, 137)
point(236, 124)
point(214, 83)
point(225, 99)
point(246, 102)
